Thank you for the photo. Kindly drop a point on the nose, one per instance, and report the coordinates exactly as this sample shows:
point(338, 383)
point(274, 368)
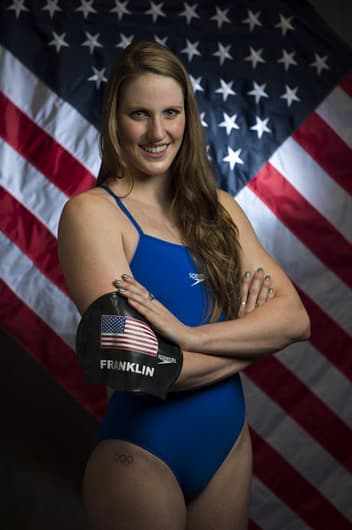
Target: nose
point(156, 129)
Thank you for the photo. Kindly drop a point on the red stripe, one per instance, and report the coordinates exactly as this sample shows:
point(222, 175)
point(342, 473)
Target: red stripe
point(42, 151)
point(346, 84)
point(327, 337)
point(306, 408)
point(32, 237)
point(304, 221)
point(284, 481)
point(49, 349)
point(326, 147)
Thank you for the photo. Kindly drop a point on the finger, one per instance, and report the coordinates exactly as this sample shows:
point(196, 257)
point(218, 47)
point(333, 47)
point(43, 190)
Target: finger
point(131, 286)
point(264, 291)
point(128, 287)
point(140, 296)
point(141, 302)
point(147, 305)
point(245, 283)
point(254, 289)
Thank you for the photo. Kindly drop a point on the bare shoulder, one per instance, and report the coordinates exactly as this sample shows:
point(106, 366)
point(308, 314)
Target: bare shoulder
point(85, 208)
point(253, 254)
point(234, 210)
point(90, 246)
point(91, 216)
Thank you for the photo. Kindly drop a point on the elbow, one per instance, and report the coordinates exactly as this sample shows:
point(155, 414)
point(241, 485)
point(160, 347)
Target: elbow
point(302, 328)
point(307, 328)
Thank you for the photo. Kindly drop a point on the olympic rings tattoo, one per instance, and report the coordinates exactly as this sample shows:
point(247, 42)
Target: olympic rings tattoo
point(123, 459)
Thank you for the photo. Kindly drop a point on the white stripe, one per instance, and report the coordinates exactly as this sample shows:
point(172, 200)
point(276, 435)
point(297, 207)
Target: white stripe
point(37, 292)
point(300, 169)
point(303, 452)
point(140, 329)
point(321, 377)
point(30, 187)
point(336, 110)
point(57, 117)
point(269, 512)
point(320, 284)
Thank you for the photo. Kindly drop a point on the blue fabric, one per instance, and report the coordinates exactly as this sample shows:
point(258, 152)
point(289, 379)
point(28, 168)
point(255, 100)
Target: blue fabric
point(192, 431)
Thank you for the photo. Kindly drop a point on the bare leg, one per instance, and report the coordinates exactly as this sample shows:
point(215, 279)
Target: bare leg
point(224, 503)
point(127, 488)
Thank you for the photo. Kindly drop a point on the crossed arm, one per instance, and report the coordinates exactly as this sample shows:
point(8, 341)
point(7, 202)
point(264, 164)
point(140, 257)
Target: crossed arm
point(227, 347)
point(93, 251)
point(268, 329)
point(200, 369)
point(216, 351)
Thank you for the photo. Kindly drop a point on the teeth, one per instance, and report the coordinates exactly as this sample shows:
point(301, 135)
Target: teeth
point(157, 149)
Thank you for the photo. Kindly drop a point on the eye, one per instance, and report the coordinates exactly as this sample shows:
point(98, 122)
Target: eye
point(172, 113)
point(138, 114)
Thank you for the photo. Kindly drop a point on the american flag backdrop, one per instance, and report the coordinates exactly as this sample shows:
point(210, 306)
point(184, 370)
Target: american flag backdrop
point(274, 87)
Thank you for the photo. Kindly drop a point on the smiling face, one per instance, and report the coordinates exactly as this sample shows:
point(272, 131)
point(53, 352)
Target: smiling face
point(151, 123)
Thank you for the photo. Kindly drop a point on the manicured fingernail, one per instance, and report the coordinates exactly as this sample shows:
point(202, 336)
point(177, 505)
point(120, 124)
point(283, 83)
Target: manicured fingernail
point(117, 282)
point(121, 290)
point(267, 278)
point(271, 290)
point(247, 274)
point(125, 276)
point(260, 270)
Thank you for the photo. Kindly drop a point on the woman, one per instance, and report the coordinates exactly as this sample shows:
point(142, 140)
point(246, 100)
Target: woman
point(155, 223)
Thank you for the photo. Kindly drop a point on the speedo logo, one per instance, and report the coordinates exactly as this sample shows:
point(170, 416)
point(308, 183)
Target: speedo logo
point(164, 359)
point(196, 278)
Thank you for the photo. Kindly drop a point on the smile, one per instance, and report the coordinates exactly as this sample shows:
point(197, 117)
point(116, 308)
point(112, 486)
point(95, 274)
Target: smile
point(157, 149)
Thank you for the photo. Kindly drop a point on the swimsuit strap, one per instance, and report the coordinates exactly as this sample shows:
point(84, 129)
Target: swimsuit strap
point(124, 209)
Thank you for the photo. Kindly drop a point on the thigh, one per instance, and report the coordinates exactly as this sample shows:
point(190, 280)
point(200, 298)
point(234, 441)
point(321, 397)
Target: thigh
point(127, 488)
point(224, 503)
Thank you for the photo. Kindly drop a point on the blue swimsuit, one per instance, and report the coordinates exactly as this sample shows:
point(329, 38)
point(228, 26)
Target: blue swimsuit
point(192, 431)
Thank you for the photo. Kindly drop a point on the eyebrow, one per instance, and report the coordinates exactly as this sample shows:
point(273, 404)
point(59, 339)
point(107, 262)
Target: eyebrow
point(143, 107)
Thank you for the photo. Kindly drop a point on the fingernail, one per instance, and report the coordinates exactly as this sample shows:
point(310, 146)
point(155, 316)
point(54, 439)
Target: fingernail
point(125, 276)
point(271, 290)
point(247, 274)
point(260, 270)
point(121, 290)
point(267, 277)
point(117, 282)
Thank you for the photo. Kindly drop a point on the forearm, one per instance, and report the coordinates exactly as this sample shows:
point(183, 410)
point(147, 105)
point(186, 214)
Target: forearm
point(268, 329)
point(201, 370)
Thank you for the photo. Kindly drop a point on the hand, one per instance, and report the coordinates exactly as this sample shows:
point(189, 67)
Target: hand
point(256, 290)
point(153, 310)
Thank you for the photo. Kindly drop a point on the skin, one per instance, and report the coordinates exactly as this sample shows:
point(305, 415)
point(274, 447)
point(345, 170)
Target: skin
point(96, 243)
point(142, 129)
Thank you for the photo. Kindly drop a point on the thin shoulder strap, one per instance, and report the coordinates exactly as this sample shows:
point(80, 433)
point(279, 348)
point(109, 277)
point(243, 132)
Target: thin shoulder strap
point(124, 209)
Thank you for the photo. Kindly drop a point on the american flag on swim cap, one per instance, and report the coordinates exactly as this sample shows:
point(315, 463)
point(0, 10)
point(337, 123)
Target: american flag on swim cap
point(125, 333)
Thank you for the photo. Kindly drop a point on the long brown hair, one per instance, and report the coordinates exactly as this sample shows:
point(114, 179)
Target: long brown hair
point(206, 227)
